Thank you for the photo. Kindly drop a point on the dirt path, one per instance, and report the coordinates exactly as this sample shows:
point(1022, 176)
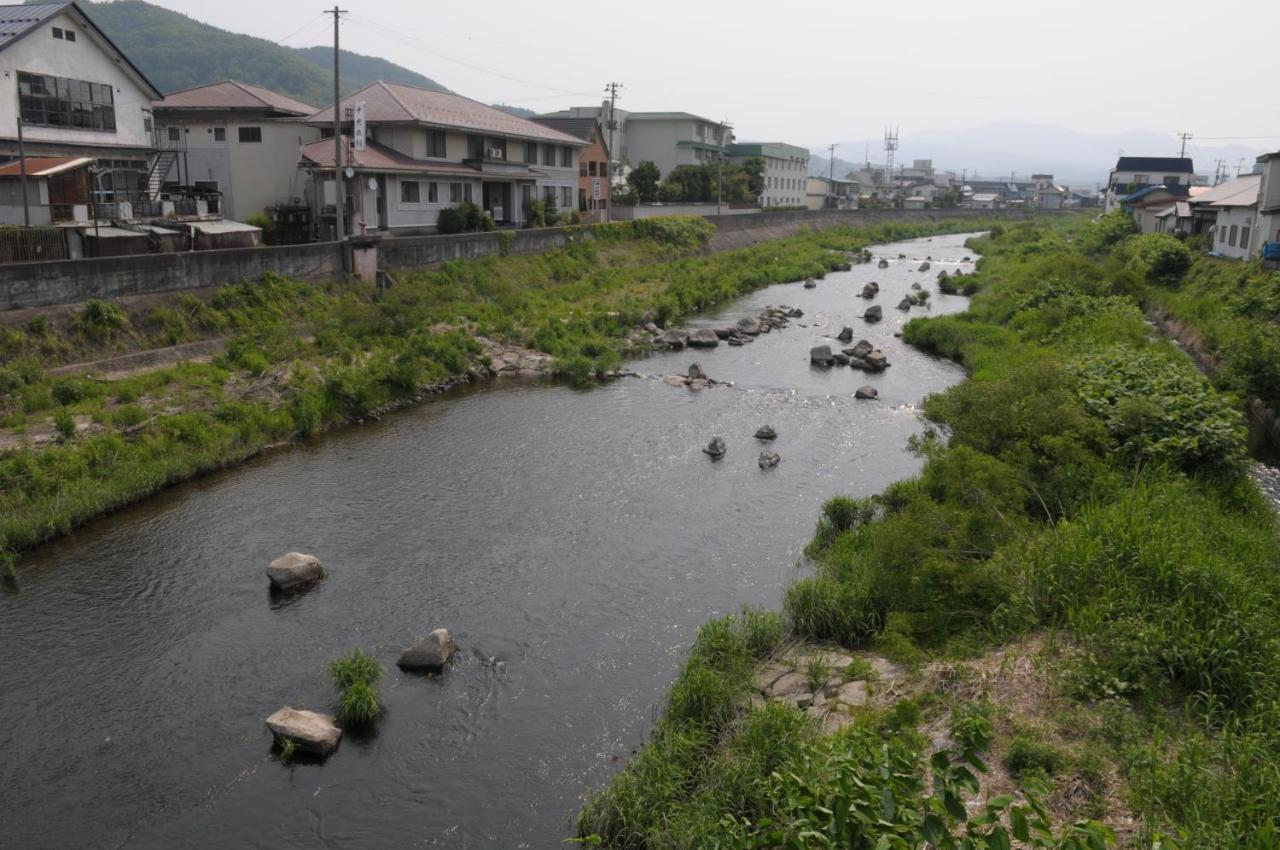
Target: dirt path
point(141, 362)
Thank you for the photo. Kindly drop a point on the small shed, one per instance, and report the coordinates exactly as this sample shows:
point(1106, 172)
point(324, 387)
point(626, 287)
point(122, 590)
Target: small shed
point(212, 235)
point(107, 241)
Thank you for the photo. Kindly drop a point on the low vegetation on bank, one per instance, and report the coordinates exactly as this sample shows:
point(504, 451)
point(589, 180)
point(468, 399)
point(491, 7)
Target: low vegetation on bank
point(1084, 492)
point(302, 357)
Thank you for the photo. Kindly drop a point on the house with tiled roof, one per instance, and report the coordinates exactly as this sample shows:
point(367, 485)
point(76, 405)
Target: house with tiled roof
point(1230, 211)
point(79, 98)
point(234, 143)
point(425, 151)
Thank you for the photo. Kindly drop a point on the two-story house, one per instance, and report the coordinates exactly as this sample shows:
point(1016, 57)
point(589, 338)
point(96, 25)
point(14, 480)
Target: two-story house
point(1133, 173)
point(237, 140)
point(85, 112)
point(593, 163)
point(786, 171)
point(428, 150)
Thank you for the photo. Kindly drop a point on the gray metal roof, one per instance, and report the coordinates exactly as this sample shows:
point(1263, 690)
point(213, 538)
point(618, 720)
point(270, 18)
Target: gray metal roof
point(17, 21)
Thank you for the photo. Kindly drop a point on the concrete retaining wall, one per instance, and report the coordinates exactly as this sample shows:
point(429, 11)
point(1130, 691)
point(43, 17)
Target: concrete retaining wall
point(66, 281)
point(24, 285)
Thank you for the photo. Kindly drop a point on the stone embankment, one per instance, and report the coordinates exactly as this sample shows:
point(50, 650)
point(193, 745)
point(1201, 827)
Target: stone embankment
point(827, 684)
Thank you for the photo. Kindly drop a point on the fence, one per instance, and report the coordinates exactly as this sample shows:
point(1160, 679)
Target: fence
point(32, 244)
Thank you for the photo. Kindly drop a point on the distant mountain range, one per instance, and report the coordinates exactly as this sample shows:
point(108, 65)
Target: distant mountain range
point(178, 52)
point(997, 150)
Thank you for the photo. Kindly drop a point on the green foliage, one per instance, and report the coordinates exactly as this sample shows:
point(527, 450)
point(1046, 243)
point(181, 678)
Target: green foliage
point(1031, 755)
point(178, 52)
point(101, 321)
point(549, 211)
point(971, 725)
point(452, 220)
point(1106, 232)
point(1161, 257)
point(65, 423)
point(643, 180)
point(356, 676)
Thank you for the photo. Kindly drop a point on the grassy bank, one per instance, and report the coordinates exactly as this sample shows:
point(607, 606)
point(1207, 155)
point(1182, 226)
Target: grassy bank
point(1083, 492)
point(303, 357)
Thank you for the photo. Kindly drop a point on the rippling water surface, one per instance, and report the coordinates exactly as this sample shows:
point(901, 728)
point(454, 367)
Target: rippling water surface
point(573, 541)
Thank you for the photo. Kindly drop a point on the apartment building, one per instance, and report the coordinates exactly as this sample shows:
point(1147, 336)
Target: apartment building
point(786, 171)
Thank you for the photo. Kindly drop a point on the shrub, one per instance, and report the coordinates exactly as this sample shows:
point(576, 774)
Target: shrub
point(549, 213)
point(1029, 755)
point(100, 321)
point(534, 213)
point(971, 725)
point(1162, 257)
point(65, 423)
point(452, 220)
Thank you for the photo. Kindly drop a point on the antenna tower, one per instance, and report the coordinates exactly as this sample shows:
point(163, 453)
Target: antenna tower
point(890, 145)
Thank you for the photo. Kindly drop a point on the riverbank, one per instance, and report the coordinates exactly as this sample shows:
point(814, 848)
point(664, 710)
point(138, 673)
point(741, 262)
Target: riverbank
point(302, 358)
point(1085, 505)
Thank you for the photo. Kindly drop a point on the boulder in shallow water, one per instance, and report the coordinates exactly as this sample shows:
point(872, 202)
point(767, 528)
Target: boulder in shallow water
point(430, 653)
point(674, 339)
point(869, 291)
point(883, 264)
point(862, 349)
point(841, 358)
point(846, 334)
point(820, 355)
point(769, 459)
point(750, 327)
point(904, 304)
point(867, 392)
point(310, 731)
point(766, 433)
point(716, 448)
point(916, 287)
point(876, 361)
point(810, 283)
point(294, 571)
point(873, 314)
point(705, 338)
point(696, 371)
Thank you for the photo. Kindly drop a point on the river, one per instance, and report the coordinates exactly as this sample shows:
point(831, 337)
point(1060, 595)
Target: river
point(572, 540)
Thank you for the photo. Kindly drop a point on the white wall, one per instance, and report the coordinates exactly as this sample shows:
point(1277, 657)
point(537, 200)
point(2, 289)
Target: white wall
point(1244, 219)
point(83, 59)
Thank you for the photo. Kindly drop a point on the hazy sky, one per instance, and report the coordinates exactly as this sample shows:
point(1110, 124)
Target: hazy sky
point(810, 73)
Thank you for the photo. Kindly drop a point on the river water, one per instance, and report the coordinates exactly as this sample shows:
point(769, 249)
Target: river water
point(573, 541)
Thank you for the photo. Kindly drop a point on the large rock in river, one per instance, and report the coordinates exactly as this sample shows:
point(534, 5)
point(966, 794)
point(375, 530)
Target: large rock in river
point(846, 334)
point(430, 653)
point(705, 338)
point(766, 433)
point(866, 392)
point(769, 459)
point(862, 349)
point(674, 339)
point(310, 731)
point(820, 355)
point(696, 372)
point(873, 314)
point(876, 361)
point(904, 304)
point(750, 327)
point(884, 264)
point(716, 448)
point(870, 291)
point(294, 571)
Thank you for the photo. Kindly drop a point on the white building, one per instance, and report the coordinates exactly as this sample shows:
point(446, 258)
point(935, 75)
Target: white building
point(78, 96)
point(235, 139)
point(822, 193)
point(430, 150)
point(1269, 199)
point(1133, 173)
point(1236, 232)
point(786, 171)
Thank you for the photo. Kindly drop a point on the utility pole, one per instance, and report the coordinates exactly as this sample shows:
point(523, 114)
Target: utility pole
point(831, 176)
point(339, 187)
point(1186, 137)
point(1239, 166)
point(1217, 170)
point(612, 89)
point(724, 125)
point(22, 169)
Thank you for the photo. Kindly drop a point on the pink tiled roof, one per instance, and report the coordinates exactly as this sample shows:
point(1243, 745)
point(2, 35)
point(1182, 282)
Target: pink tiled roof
point(376, 157)
point(394, 103)
point(231, 94)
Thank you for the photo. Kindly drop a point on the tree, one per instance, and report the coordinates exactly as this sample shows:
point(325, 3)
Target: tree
point(754, 167)
point(644, 180)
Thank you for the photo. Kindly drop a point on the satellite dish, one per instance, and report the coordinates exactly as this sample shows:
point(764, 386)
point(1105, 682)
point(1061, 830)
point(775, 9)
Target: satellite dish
point(350, 172)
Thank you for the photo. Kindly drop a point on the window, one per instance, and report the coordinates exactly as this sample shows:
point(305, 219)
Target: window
point(1141, 179)
point(174, 134)
point(250, 135)
point(531, 153)
point(219, 134)
point(59, 102)
point(591, 167)
point(435, 143)
point(566, 157)
point(70, 34)
point(566, 197)
point(1171, 180)
point(582, 169)
point(1231, 237)
point(466, 192)
point(410, 192)
point(433, 192)
point(146, 124)
point(495, 149)
point(526, 192)
point(1244, 237)
point(57, 32)
point(1222, 234)
point(455, 193)
point(549, 192)
point(549, 155)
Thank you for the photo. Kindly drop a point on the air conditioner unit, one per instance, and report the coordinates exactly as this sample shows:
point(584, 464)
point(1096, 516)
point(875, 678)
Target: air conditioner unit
point(496, 153)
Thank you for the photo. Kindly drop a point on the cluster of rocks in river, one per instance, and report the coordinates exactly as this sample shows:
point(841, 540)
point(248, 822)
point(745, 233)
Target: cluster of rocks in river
point(768, 459)
point(695, 378)
point(742, 333)
point(314, 732)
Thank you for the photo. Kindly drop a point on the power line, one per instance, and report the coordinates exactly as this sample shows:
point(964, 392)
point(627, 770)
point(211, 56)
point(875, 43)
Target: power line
point(307, 25)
